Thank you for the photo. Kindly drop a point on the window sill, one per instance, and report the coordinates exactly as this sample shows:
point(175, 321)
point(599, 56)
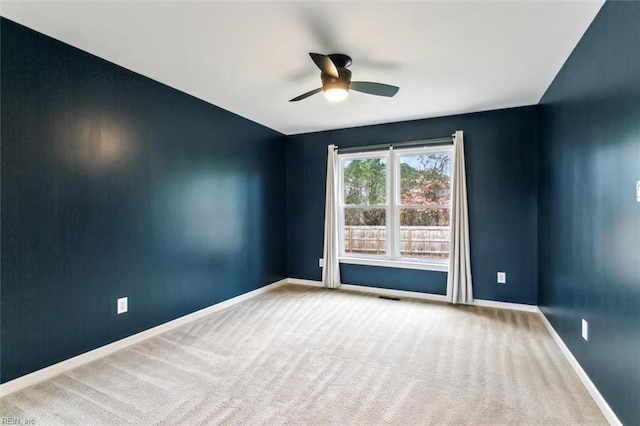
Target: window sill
point(403, 264)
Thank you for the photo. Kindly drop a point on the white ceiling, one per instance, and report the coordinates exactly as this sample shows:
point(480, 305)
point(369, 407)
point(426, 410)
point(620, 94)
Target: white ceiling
point(252, 57)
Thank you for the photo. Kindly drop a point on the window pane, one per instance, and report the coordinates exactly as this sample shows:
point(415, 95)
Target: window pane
point(425, 179)
point(365, 231)
point(365, 181)
point(424, 233)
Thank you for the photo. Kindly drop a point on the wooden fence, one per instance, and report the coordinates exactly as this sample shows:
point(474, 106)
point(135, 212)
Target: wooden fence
point(416, 241)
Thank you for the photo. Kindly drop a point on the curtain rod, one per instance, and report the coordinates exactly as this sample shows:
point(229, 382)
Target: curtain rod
point(384, 146)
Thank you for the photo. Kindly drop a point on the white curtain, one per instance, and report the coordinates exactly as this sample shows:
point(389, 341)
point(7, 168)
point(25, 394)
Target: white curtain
point(331, 269)
point(459, 287)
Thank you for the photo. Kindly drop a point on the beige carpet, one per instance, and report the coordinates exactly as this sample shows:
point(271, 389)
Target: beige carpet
point(300, 355)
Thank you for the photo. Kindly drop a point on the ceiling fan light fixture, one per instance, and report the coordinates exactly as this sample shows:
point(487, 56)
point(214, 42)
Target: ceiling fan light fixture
point(336, 87)
point(336, 94)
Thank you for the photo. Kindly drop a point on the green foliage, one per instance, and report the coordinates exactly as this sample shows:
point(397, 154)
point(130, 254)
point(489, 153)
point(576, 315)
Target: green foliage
point(423, 180)
point(365, 183)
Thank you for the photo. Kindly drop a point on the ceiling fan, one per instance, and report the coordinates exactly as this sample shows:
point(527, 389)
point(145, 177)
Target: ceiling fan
point(336, 80)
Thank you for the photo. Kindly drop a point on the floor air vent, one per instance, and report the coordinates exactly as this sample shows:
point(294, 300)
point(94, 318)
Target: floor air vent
point(389, 298)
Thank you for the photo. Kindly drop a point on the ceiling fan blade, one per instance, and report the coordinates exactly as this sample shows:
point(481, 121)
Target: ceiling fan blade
point(306, 95)
point(325, 64)
point(371, 88)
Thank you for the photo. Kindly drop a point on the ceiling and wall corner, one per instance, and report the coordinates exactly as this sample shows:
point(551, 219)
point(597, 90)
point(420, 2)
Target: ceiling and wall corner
point(252, 57)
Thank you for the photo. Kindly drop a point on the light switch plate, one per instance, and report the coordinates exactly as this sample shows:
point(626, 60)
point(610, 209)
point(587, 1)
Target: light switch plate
point(638, 191)
point(585, 329)
point(502, 277)
point(321, 263)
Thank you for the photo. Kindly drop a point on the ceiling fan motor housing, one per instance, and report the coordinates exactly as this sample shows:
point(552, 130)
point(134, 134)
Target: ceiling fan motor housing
point(342, 82)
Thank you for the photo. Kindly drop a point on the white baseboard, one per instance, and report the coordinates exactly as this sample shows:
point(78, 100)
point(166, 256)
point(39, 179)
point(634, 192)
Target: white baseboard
point(505, 305)
point(309, 283)
point(417, 295)
point(586, 381)
point(71, 363)
point(376, 290)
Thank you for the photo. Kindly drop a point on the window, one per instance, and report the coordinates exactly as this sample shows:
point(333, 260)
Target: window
point(394, 207)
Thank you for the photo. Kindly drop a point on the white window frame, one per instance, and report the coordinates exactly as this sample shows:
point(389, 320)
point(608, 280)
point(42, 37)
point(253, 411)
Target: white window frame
point(392, 257)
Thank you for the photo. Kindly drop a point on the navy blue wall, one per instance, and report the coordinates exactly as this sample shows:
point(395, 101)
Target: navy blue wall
point(115, 185)
point(589, 218)
point(501, 160)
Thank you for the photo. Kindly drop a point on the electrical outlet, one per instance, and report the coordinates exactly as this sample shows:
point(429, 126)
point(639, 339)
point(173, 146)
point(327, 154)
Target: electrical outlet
point(502, 277)
point(585, 329)
point(321, 262)
point(123, 305)
point(638, 191)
